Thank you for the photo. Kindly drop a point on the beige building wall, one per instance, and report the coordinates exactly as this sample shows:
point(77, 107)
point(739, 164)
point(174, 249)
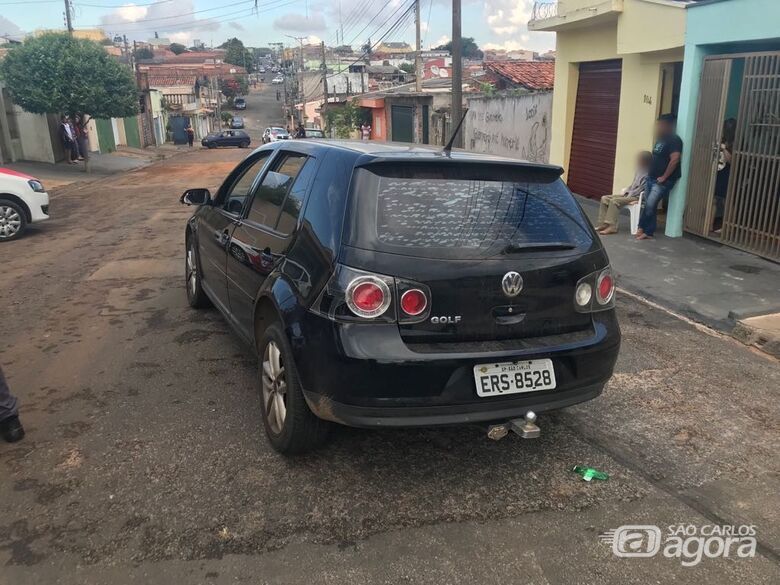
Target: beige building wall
point(627, 38)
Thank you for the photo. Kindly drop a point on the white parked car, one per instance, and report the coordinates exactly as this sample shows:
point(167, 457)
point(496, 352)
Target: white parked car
point(23, 200)
point(277, 80)
point(275, 133)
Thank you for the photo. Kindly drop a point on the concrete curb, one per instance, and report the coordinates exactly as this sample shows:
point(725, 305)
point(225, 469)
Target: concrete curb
point(762, 332)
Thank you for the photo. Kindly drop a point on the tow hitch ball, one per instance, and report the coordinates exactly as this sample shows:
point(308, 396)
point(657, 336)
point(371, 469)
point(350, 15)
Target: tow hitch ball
point(525, 427)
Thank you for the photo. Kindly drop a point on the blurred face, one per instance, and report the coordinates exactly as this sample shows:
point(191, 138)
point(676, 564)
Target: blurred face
point(663, 128)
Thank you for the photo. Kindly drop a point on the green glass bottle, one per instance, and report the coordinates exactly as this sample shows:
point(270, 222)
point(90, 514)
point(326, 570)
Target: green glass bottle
point(589, 473)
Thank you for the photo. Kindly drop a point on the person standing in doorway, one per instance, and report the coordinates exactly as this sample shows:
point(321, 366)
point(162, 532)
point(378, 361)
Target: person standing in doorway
point(724, 171)
point(10, 428)
point(365, 131)
point(663, 174)
point(190, 135)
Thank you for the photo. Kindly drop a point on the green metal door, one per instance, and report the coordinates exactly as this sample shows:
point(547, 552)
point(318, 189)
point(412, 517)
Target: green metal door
point(402, 121)
point(105, 135)
point(131, 132)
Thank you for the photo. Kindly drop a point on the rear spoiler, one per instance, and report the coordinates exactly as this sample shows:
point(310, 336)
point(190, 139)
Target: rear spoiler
point(467, 167)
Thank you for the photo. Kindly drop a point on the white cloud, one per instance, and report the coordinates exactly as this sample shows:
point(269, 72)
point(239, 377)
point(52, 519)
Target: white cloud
point(173, 20)
point(442, 40)
point(315, 21)
point(236, 25)
point(505, 17)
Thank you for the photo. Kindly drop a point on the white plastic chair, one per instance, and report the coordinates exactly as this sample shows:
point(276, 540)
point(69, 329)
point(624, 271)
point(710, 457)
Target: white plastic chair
point(634, 209)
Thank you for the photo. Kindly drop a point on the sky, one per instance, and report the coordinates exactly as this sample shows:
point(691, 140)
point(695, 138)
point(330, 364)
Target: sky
point(493, 23)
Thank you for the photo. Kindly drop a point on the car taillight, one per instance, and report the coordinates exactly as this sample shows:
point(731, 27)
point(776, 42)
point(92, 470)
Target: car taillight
point(368, 296)
point(414, 302)
point(605, 287)
point(583, 294)
point(595, 292)
point(358, 296)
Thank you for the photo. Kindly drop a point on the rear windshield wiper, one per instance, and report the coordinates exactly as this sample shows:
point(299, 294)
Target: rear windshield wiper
point(512, 248)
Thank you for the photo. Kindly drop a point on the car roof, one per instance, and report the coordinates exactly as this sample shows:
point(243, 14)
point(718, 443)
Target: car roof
point(371, 151)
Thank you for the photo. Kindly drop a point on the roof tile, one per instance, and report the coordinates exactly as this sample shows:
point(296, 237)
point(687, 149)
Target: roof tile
point(530, 74)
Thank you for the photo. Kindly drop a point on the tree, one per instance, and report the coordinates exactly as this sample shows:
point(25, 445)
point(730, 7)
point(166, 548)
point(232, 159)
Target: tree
point(237, 54)
point(177, 48)
point(232, 87)
point(470, 48)
point(407, 67)
point(56, 73)
point(144, 53)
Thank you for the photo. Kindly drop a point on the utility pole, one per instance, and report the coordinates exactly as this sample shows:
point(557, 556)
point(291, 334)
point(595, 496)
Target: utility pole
point(324, 67)
point(456, 109)
point(418, 47)
point(67, 17)
point(302, 116)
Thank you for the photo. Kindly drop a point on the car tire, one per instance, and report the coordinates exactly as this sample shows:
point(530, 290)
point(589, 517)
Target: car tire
point(13, 220)
point(243, 144)
point(299, 430)
point(196, 296)
point(211, 145)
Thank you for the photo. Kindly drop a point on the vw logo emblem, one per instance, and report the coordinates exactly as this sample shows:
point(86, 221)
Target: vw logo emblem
point(512, 283)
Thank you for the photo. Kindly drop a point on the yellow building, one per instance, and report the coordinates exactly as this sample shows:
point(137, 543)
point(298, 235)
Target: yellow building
point(618, 66)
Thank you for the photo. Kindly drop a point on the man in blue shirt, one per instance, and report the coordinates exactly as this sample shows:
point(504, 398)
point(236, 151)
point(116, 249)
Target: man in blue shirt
point(663, 174)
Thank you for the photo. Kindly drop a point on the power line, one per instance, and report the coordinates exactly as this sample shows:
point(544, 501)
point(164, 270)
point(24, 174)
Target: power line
point(115, 24)
point(129, 26)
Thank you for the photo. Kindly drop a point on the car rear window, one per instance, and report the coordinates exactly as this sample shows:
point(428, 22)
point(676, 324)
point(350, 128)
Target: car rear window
point(464, 211)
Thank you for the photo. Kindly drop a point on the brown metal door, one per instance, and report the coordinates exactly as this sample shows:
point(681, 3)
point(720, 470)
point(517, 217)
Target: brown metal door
point(594, 135)
point(706, 145)
point(752, 217)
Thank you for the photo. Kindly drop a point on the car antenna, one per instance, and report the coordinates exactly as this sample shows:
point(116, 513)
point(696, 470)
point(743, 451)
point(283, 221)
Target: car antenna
point(448, 147)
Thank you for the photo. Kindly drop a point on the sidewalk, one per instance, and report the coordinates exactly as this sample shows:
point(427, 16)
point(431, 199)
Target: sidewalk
point(713, 284)
point(102, 165)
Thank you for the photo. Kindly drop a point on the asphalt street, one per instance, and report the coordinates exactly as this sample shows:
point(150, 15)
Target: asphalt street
point(145, 460)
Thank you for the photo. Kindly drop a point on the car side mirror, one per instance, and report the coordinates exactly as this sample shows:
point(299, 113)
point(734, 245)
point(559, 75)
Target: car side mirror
point(196, 197)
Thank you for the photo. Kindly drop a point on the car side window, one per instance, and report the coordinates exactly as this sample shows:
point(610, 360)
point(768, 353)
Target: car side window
point(293, 203)
point(241, 187)
point(270, 195)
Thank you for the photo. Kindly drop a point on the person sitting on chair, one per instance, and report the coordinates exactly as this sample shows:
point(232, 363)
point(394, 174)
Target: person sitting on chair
point(609, 210)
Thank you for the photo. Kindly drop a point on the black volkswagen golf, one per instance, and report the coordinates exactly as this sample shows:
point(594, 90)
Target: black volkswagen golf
point(388, 285)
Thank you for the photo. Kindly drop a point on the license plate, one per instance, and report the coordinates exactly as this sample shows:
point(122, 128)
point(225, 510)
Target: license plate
point(514, 377)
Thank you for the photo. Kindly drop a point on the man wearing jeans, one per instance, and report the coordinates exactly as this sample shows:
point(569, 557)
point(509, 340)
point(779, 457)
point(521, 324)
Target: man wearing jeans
point(663, 174)
point(10, 428)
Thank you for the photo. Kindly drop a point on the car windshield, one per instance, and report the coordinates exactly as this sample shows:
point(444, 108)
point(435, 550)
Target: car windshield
point(464, 211)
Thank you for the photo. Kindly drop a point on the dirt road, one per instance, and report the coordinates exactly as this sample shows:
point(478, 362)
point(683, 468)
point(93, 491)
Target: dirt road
point(145, 459)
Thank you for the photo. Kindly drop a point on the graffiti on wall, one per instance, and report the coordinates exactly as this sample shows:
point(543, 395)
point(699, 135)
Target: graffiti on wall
point(516, 127)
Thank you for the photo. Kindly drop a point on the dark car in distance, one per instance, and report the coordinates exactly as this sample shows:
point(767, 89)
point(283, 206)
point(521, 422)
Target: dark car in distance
point(388, 285)
point(227, 138)
point(240, 103)
point(237, 122)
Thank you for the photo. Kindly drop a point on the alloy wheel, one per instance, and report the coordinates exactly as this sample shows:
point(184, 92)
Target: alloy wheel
point(274, 385)
point(10, 222)
point(192, 272)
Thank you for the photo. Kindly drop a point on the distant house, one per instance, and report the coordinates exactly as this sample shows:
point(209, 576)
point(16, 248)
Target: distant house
point(530, 75)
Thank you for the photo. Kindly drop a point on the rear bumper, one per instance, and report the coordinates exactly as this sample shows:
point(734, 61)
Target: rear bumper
point(415, 416)
point(365, 375)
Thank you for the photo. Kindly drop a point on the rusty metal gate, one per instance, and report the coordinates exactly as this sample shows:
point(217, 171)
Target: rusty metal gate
point(752, 215)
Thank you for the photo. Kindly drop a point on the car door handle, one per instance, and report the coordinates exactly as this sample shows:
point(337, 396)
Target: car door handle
point(222, 236)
